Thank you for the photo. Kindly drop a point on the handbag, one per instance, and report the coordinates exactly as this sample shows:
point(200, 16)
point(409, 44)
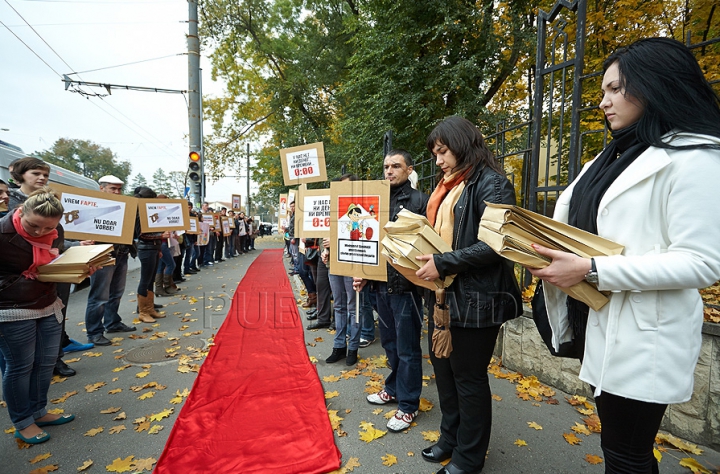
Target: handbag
point(572, 349)
point(311, 253)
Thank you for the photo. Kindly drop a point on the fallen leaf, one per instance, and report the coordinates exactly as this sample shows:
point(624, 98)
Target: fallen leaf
point(94, 431)
point(114, 391)
point(593, 423)
point(657, 454)
point(410, 453)
point(144, 464)
point(144, 426)
point(92, 354)
point(534, 425)
point(586, 412)
point(352, 464)
point(389, 459)
point(497, 398)
point(111, 410)
point(313, 359)
point(377, 411)
point(155, 429)
point(425, 405)
point(56, 411)
point(334, 419)
point(22, 444)
point(146, 395)
point(576, 400)
point(40, 457)
point(580, 428)
point(519, 442)
point(71, 361)
point(331, 378)
point(10, 430)
point(694, 466)
point(680, 444)
point(94, 387)
point(120, 465)
point(329, 395)
point(121, 368)
point(592, 459)
point(116, 429)
point(431, 436)
point(120, 416)
point(85, 465)
point(571, 438)
point(142, 374)
point(176, 400)
point(64, 397)
point(45, 469)
point(371, 434)
point(161, 415)
point(57, 379)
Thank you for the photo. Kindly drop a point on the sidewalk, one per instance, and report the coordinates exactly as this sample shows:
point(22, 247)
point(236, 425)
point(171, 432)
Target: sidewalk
point(145, 379)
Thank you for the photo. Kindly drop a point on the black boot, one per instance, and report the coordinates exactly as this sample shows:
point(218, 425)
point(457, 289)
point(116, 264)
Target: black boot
point(337, 354)
point(351, 357)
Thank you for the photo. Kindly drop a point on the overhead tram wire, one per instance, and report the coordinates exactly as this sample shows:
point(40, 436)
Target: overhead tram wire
point(31, 50)
point(128, 64)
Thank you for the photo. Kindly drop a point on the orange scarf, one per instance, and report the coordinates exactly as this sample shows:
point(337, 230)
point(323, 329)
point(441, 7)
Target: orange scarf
point(442, 189)
point(43, 253)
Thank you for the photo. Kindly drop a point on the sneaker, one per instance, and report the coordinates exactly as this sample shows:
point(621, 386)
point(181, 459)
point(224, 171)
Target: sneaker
point(75, 346)
point(401, 421)
point(365, 342)
point(381, 398)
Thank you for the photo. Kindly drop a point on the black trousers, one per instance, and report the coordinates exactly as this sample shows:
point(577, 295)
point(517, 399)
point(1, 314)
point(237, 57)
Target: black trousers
point(63, 290)
point(628, 432)
point(464, 393)
point(322, 285)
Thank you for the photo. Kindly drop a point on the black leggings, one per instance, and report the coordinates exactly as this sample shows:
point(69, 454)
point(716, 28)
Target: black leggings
point(628, 432)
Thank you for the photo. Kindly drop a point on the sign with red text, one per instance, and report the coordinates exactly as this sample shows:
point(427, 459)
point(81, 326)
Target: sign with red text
point(303, 164)
point(159, 215)
point(312, 213)
point(95, 215)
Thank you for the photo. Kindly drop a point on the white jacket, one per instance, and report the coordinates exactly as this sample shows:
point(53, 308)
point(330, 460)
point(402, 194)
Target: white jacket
point(644, 343)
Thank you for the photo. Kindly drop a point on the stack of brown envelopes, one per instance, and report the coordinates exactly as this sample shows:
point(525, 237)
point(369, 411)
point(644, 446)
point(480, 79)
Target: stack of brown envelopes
point(510, 231)
point(73, 266)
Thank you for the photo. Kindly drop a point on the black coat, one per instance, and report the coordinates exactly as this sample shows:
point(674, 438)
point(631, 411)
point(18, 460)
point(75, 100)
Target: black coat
point(404, 197)
point(16, 256)
point(485, 292)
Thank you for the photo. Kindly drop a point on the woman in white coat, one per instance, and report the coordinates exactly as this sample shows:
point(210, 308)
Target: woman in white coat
point(654, 189)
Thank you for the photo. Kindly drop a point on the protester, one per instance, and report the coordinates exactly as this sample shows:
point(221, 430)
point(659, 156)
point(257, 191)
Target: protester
point(322, 312)
point(149, 248)
point(400, 307)
point(230, 239)
point(483, 295)
point(294, 244)
point(220, 238)
point(642, 346)
point(4, 198)
point(190, 246)
point(107, 285)
point(30, 313)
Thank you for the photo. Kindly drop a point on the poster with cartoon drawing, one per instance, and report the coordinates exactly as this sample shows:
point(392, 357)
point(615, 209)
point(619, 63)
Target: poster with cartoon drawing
point(358, 211)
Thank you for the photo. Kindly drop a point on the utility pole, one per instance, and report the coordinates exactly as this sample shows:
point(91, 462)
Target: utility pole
point(248, 180)
point(194, 107)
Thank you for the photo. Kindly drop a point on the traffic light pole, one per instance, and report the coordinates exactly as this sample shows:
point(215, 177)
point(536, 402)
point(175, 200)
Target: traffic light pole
point(195, 101)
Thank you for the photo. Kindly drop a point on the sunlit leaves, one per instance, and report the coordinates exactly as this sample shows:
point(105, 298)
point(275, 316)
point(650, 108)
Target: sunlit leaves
point(389, 460)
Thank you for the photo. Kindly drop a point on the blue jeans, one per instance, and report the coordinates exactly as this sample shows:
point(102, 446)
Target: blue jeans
point(107, 287)
point(230, 246)
point(189, 256)
point(210, 249)
point(400, 321)
point(305, 275)
point(166, 265)
point(30, 349)
point(344, 304)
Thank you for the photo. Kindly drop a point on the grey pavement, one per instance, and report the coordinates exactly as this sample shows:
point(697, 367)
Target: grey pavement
point(202, 307)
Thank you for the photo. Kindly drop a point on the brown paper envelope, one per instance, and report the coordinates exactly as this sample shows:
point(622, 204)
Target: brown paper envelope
point(63, 277)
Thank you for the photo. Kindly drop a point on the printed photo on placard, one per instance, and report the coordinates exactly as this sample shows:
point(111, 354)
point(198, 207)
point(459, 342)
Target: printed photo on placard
point(283, 205)
point(94, 215)
point(303, 164)
point(204, 235)
point(159, 215)
point(236, 202)
point(358, 212)
point(225, 226)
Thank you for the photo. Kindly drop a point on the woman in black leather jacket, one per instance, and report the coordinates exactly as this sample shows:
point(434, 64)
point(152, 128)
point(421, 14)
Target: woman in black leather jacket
point(483, 295)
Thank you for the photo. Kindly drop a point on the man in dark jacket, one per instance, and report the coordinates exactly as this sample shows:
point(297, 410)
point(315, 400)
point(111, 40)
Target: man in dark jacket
point(400, 308)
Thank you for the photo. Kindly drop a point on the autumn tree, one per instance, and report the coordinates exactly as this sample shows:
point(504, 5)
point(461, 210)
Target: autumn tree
point(162, 184)
point(139, 180)
point(86, 158)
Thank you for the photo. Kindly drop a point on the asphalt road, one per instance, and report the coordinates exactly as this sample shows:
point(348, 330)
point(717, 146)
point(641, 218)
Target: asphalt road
point(118, 381)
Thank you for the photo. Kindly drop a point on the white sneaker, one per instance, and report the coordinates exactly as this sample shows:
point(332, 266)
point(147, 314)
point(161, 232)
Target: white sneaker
point(401, 421)
point(381, 398)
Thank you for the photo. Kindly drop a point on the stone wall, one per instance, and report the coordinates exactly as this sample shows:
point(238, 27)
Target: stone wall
point(698, 420)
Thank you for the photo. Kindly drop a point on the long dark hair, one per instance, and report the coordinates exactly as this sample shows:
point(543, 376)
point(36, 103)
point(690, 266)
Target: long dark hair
point(145, 193)
point(666, 78)
point(465, 142)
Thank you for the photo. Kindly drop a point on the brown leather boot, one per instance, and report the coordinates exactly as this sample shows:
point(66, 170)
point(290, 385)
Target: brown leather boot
point(170, 286)
point(159, 287)
point(151, 306)
point(144, 314)
point(311, 301)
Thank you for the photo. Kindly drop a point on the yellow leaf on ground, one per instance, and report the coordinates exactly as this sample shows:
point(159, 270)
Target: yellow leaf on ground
point(161, 415)
point(120, 465)
point(94, 387)
point(331, 378)
point(334, 419)
point(534, 425)
point(57, 379)
point(116, 429)
point(371, 434)
point(580, 428)
point(411, 454)
point(144, 426)
point(146, 395)
point(318, 339)
point(390, 414)
point(176, 400)
point(85, 465)
point(121, 368)
point(389, 459)
point(40, 457)
point(120, 416)
point(56, 411)
point(520, 442)
point(329, 395)
point(497, 398)
point(22, 444)
point(184, 369)
point(425, 405)
point(144, 464)
point(431, 436)
point(10, 430)
point(45, 469)
point(694, 466)
point(571, 438)
point(377, 411)
point(142, 374)
point(64, 397)
point(657, 454)
point(71, 361)
point(352, 464)
point(92, 354)
point(680, 444)
point(586, 412)
point(94, 431)
point(592, 459)
point(111, 410)
point(155, 429)
point(313, 359)
point(576, 400)
point(114, 391)
point(593, 423)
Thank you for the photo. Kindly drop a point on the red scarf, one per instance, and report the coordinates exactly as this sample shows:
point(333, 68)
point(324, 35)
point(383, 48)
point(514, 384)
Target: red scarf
point(43, 253)
point(442, 189)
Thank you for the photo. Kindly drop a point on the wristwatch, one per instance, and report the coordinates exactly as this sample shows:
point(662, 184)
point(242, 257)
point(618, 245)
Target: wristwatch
point(592, 275)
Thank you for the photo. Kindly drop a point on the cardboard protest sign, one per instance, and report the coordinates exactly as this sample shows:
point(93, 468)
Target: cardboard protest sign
point(358, 212)
point(209, 219)
point(194, 225)
point(225, 226)
point(312, 213)
point(303, 164)
point(283, 205)
point(94, 215)
point(236, 200)
point(159, 215)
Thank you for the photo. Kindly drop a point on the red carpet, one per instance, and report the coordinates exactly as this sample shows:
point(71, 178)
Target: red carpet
point(257, 404)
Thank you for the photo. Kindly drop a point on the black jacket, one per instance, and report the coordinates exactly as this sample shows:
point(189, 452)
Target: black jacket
point(485, 292)
point(16, 256)
point(403, 197)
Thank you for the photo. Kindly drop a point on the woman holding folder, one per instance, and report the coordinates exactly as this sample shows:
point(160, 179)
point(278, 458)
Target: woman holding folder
point(483, 295)
point(652, 190)
point(30, 313)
